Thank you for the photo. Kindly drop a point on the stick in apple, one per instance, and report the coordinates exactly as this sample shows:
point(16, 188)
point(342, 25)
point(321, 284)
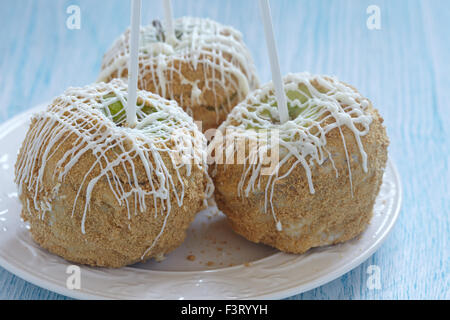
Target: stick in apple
point(133, 62)
point(168, 16)
point(274, 63)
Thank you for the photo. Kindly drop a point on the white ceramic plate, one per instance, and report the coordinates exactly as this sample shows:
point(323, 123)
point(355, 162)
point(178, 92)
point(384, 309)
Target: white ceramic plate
point(222, 265)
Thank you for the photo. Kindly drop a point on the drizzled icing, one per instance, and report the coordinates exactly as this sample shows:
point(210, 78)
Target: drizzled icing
point(317, 105)
point(218, 48)
point(93, 118)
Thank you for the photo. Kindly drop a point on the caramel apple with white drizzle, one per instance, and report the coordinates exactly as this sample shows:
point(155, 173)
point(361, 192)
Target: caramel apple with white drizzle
point(98, 192)
point(331, 158)
point(207, 68)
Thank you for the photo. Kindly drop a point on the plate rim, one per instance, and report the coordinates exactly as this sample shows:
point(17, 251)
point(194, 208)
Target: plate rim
point(17, 120)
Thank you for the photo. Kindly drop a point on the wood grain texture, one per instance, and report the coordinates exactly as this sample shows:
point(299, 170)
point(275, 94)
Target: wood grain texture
point(403, 68)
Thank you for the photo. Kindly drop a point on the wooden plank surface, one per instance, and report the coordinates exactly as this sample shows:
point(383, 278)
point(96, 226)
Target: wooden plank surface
point(403, 68)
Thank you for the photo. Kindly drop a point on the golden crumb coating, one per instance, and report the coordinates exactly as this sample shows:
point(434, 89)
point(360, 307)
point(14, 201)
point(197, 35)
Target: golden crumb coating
point(340, 207)
point(86, 188)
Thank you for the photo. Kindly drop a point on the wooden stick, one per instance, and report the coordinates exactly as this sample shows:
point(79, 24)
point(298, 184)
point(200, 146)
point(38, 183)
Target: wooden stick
point(168, 16)
point(133, 62)
point(274, 62)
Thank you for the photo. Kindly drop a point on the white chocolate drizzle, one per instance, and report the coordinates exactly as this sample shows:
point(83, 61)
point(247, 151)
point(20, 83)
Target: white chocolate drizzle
point(220, 49)
point(317, 105)
point(95, 123)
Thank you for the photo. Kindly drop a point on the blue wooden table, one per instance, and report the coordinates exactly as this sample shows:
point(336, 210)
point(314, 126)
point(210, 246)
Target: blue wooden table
point(403, 67)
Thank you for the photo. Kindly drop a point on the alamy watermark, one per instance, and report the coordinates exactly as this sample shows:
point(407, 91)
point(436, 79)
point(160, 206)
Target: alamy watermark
point(374, 280)
point(73, 281)
point(73, 21)
point(232, 146)
point(374, 20)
